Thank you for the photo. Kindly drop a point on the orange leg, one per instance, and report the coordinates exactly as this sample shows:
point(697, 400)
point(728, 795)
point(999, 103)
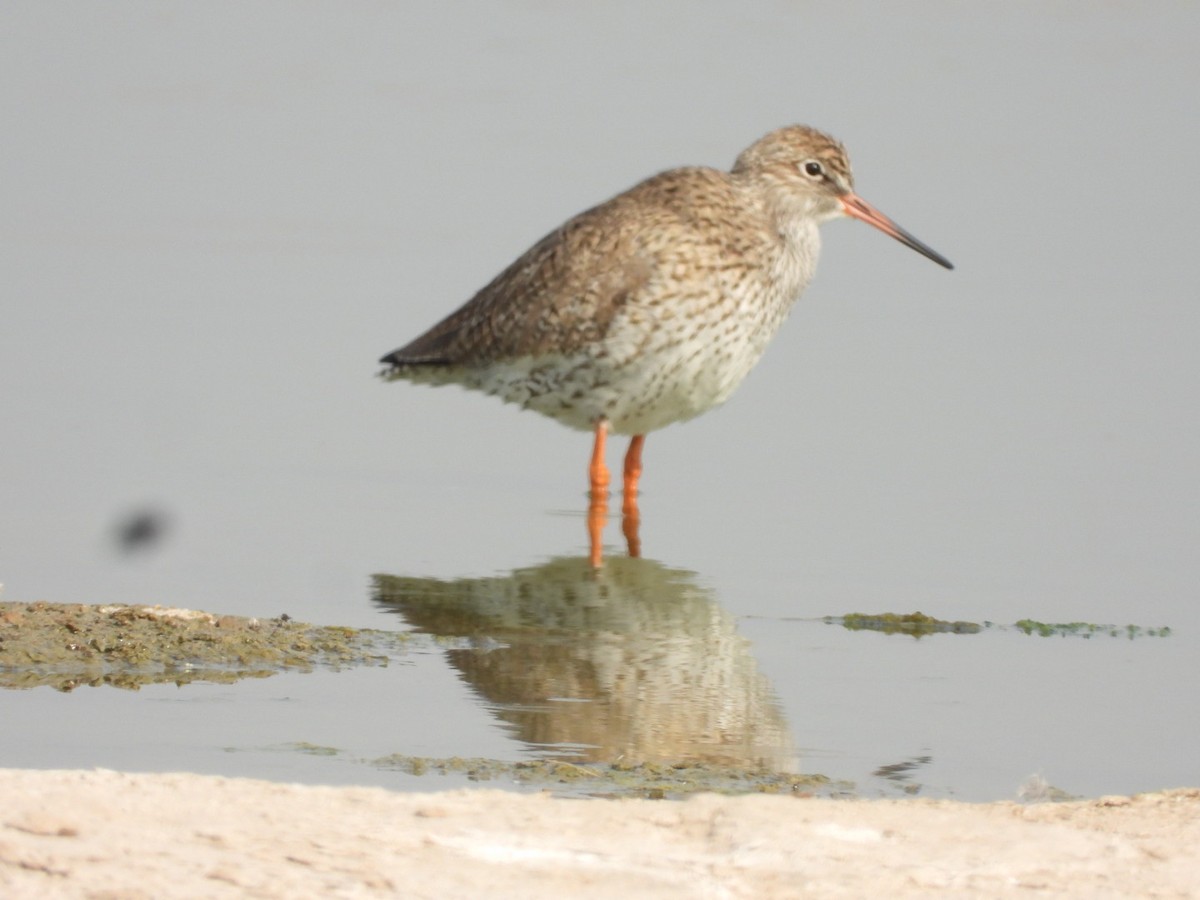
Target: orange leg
point(633, 465)
point(598, 471)
point(630, 516)
point(598, 478)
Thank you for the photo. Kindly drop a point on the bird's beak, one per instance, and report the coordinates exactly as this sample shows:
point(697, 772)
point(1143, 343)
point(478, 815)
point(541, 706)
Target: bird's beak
point(855, 206)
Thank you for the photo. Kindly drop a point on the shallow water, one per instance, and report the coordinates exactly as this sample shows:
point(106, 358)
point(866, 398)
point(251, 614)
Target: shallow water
point(640, 664)
point(202, 264)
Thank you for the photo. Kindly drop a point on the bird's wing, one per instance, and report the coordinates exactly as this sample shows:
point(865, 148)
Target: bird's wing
point(564, 291)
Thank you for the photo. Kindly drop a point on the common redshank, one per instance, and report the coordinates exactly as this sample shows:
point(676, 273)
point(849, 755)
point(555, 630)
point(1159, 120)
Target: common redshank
point(652, 307)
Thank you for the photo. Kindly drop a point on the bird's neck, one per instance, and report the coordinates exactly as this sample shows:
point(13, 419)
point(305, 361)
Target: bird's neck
point(800, 241)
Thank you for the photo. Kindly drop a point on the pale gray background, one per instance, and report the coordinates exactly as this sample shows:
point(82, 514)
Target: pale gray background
point(215, 217)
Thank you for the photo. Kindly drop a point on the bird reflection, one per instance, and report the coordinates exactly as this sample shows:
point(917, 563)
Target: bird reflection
point(633, 662)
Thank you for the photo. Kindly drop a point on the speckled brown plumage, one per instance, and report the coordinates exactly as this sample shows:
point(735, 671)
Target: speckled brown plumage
point(652, 307)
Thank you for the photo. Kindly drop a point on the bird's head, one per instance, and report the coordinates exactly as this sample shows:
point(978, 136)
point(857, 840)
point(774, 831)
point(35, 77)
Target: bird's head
point(807, 174)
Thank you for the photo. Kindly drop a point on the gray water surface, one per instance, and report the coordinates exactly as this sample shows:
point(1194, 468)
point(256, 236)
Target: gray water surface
point(215, 218)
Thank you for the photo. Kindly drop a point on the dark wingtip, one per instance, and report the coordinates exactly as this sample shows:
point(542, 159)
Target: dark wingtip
point(398, 359)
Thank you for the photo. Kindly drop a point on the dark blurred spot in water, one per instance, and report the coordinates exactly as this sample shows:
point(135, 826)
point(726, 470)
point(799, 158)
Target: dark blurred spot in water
point(141, 531)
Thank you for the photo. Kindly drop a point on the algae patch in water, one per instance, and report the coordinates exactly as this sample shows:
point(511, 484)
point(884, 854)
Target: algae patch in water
point(67, 645)
point(1088, 629)
point(620, 779)
point(310, 749)
point(918, 625)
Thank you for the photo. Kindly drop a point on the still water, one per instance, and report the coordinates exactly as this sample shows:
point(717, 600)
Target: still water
point(218, 217)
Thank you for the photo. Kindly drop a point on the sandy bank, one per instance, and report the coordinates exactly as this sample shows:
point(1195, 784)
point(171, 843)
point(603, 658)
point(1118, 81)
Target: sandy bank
point(107, 834)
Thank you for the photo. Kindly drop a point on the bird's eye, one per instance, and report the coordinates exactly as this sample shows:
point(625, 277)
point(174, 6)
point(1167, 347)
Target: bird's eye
point(813, 169)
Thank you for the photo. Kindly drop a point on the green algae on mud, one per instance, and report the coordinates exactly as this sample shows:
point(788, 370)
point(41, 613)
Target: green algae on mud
point(917, 624)
point(68, 645)
point(1087, 629)
point(656, 781)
